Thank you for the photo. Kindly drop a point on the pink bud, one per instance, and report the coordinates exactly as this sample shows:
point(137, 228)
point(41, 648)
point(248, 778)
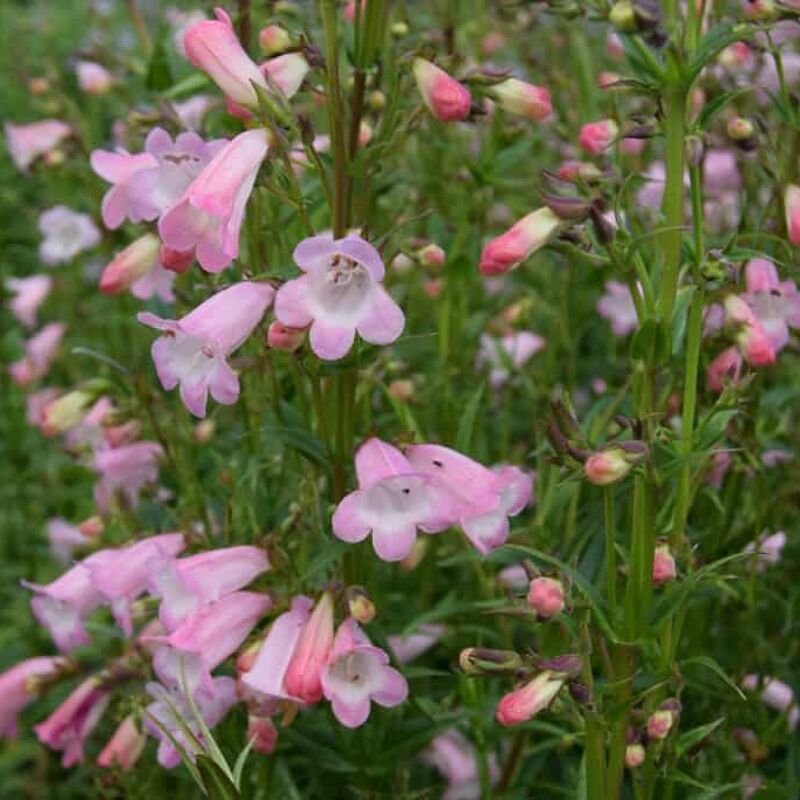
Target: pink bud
point(304, 674)
point(446, 98)
point(431, 256)
point(663, 565)
point(635, 755)
point(93, 526)
point(546, 597)
point(523, 99)
point(432, 288)
point(751, 337)
point(261, 731)
point(725, 368)
point(124, 747)
point(519, 242)
point(524, 703)
point(791, 200)
point(130, 264)
point(607, 466)
point(659, 724)
point(274, 39)
point(595, 137)
point(179, 261)
point(282, 337)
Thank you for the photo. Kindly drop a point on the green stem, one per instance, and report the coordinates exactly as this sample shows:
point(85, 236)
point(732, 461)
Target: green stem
point(611, 553)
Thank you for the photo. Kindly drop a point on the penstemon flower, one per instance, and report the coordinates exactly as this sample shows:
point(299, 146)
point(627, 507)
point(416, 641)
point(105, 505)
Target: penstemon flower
point(29, 294)
point(341, 293)
point(26, 143)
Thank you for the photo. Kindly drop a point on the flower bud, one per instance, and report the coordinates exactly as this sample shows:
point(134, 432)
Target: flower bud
point(54, 158)
point(523, 99)
point(261, 731)
point(414, 558)
point(203, 431)
point(274, 39)
point(524, 703)
point(281, 337)
point(725, 368)
point(130, 264)
point(596, 137)
point(92, 526)
point(791, 201)
point(178, 261)
point(399, 30)
point(571, 209)
point(607, 466)
point(569, 664)
point(635, 755)
point(546, 597)
point(377, 100)
point(247, 658)
point(66, 411)
point(740, 129)
point(38, 86)
point(482, 661)
point(659, 724)
point(519, 242)
point(623, 17)
point(663, 565)
point(304, 673)
point(446, 98)
point(402, 389)
point(402, 263)
point(360, 605)
point(760, 10)
point(431, 256)
point(751, 338)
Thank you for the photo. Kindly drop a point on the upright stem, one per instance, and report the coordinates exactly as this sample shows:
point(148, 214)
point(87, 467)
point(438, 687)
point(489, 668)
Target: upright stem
point(135, 13)
point(611, 553)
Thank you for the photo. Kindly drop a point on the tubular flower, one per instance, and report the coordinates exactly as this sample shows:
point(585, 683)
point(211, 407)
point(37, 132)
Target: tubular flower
point(310, 655)
point(138, 268)
point(526, 702)
point(124, 747)
point(26, 143)
point(519, 242)
point(446, 98)
point(18, 687)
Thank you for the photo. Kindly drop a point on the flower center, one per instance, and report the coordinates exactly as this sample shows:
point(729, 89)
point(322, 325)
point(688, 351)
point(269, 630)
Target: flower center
point(342, 270)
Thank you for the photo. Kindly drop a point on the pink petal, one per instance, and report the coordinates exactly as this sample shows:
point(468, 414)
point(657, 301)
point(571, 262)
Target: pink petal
point(224, 385)
point(330, 342)
point(487, 532)
point(359, 250)
point(351, 716)
point(195, 398)
point(384, 321)
point(394, 689)
point(314, 252)
point(393, 544)
point(347, 523)
point(291, 303)
point(376, 460)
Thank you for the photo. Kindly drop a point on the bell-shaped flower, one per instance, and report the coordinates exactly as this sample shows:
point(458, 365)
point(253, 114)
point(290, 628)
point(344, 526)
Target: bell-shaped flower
point(304, 673)
point(212, 46)
point(170, 715)
point(64, 539)
point(26, 143)
point(66, 234)
point(393, 499)
point(193, 351)
point(751, 338)
point(524, 703)
point(359, 673)
point(340, 293)
point(70, 725)
point(62, 605)
point(617, 306)
point(124, 747)
point(209, 214)
point(29, 294)
point(206, 638)
point(186, 585)
point(18, 687)
point(507, 353)
point(124, 471)
point(455, 758)
point(519, 242)
point(122, 577)
point(266, 678)
point(40, 350)
point(138, 268)
point(776, 303)
point(767, 549)
point(117, 168)
point(446, 98)
point(174, 165)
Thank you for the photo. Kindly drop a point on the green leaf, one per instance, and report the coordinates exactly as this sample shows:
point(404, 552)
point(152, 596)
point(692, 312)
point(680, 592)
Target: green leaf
point(680, 316)
point(159, 73)
point(714, 42)
point(688, 740)
point(710, 664)
point(195, 82)
point(466, 425)
point(712, 108)
point(216, 784)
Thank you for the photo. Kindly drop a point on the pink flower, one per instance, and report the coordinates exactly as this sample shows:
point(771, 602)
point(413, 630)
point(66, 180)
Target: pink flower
point(93, 78)
point(775, 303)
point(596, 137)
point(514, 577)
point(138, 268)
point(157, 186)
point(29, 293)
point(659, 724)
point(186, 585)
point(546, 597)
point(65, 539)
point(340, 293)
point(66, 234)
point(454, 757)
point(121, 577)
point(261, 731)
point(768, 549)
point(357, 673)
point(192, 111)
point(519, 242)
point(70, 725)
point(40, 350)
point(512, 351)
point(124, 747)
point(212, 46)
point(523, 99)
point(287, 72)
point(193, 350)
point(663, 566)
point(407, 648)
point(616, 305)
point(720, 464)
point(481, 499)
point(18, 687)
point(751, 338)
point(209, 214)
point(635, 755)
point(26, 143)
point(721, 172)
point(775, 694)
point(206, 638)
point(607, 466)
point(524, 703)
point(725, 368)
point(304, 673)
point(791, 201)
point(36, 403)
point(267, 676)
point(171, 712)
point(392, 501)
point(126, 470)
point(117, 168)
point(446, 98)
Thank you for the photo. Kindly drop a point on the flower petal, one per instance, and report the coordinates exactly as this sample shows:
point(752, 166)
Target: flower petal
point(330, 342)
point(384, 321)
point(347, 522)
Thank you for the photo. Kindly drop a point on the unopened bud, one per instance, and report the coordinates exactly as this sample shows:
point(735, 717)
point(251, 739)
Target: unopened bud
point(740, 128)
point(263, 734)
point(418, 550)
point(760, 10)
point(360, 605)
point(431, 256)
point(596, 137)
point(203, 431)
point(482, 661)
point(572, 209)
point(609, 466)
point(659, 724)
point(635, 755)
point(402, 389)
point(93, 526)
point(377, 100)
point(663, 565)
point(623, 17)
point(176, 260)
point(274, 39)
point(694, 150)
point(568, 664)
point(38, 86)
point(281, 337)
point(399, 30)
point(546, 597)
point(67, 411)
point(54, 158)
